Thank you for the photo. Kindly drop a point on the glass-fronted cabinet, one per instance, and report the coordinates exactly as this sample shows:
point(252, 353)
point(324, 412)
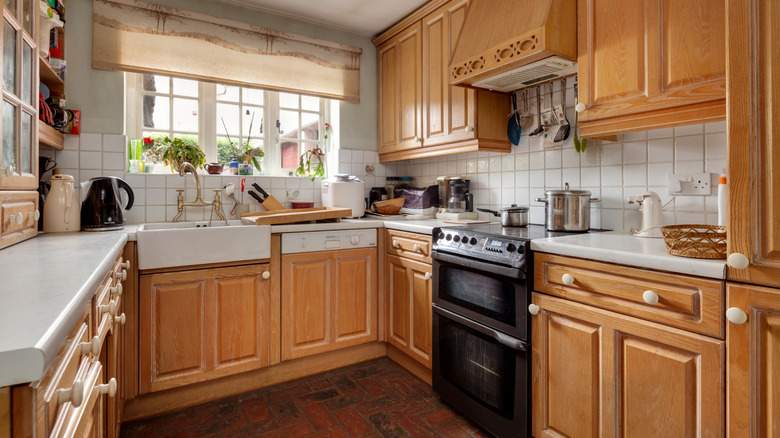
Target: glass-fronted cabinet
point(19, 110)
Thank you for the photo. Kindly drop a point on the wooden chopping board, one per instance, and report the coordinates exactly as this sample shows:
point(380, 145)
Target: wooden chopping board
point(276, 217)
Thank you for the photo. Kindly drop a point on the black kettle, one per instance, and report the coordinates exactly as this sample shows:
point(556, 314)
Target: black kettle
point(101, 209)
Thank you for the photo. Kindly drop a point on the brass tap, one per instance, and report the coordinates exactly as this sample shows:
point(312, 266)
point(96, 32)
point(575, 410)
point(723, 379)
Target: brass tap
point(198, 202)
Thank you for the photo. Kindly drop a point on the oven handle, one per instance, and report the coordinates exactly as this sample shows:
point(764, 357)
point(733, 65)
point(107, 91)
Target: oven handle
point(479, 265)
point(503, 339)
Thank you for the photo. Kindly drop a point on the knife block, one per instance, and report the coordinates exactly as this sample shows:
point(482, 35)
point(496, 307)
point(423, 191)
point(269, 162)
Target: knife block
point(271, 203)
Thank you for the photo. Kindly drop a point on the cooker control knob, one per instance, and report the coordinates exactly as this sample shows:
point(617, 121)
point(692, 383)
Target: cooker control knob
point(511, 247)
point(449, 237)
point(456, 238)
point(354, 240)
point(473, 241)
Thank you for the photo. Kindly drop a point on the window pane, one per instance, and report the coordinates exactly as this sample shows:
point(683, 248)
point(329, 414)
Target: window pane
point(185, 114)
point(160, 84)
point(253, 119)
point(10, 6)
point(157, 110)
point(227, 117)
point(26, 142)
point(253, 96)
point(287, 100)
point(9, 54)
point(289, 155)
point(224, 152)
point(190, 139)
point(185, 87)
point(310, 103)
point(227, 93)
point(289, 120)
point(27, 65)
point(9, 135)
point(27, 16)
point(310, 126)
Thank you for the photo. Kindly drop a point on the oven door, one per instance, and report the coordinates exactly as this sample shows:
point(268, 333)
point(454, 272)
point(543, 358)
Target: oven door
point(483, 373)
point(494, 295)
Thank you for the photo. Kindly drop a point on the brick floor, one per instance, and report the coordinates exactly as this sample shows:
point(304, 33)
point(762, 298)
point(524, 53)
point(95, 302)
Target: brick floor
point(372, 399)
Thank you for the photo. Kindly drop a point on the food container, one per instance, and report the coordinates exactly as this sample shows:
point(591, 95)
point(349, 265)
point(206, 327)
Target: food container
point(567, 210)
point(344, 191)
point(301, 204)
point(513, 216)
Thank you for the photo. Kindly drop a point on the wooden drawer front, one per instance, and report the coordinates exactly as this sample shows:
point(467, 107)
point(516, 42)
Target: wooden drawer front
point(11, 205)
point(690, 303)
point(86, 420)
point(403, 244)
point(108, 292)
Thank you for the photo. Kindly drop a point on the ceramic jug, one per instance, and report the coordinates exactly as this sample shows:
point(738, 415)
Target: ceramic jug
point(61, 212)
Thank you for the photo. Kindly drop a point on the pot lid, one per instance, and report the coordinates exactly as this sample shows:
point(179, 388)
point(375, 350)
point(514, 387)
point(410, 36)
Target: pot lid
point(567, 192)
point(515, 208)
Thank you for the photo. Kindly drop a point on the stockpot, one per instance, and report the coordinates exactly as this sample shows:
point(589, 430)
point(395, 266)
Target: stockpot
point(513, 216)
point(567, 210)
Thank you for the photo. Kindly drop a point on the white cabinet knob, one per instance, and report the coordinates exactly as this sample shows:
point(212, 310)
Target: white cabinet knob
point(12, 218)
point(118, 289)
point(580, 107)
point(109, 308)
point(567, 279)
point(121, 276)
point(417, 139)
point(34, 215)
point(108, 388)
point(121, 319)
point(650, 297)
point(736, 315)
point(9, 171)
point(533, 309)
point(74, 394)
point(416, 247)
point(738, 261)
point(469, 128)
point(126, 265)
point(266, 275)
point(396, 244)
point(16, 218)
point(92, 346)
point(427, 275)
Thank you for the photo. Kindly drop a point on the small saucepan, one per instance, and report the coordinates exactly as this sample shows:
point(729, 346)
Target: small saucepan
point(512, 216)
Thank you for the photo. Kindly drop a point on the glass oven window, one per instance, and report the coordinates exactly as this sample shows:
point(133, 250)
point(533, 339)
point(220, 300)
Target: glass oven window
point(493, 297)
point(478, 365)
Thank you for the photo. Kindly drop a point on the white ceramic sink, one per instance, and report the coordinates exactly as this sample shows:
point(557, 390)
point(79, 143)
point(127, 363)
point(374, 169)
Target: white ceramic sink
point(165, 245)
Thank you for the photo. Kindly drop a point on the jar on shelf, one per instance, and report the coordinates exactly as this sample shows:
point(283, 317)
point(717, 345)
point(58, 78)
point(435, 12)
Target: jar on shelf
point(392, 181)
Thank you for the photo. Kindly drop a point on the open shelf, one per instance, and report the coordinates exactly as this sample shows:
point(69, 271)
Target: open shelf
point(50, 136)
point(48, 77)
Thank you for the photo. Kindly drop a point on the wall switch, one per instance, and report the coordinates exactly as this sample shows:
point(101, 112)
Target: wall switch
point(694, 184)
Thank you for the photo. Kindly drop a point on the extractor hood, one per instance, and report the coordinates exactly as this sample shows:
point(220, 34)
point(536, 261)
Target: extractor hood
point(506, 45)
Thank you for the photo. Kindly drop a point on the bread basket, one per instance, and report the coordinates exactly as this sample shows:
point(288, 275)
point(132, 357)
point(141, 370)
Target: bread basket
point(389, 207)
point(695, 241)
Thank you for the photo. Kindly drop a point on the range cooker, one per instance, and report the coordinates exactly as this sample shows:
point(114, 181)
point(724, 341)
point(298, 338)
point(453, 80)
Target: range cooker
point(481, 328)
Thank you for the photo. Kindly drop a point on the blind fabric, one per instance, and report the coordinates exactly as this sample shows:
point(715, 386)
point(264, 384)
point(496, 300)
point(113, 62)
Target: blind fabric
point(143, 37)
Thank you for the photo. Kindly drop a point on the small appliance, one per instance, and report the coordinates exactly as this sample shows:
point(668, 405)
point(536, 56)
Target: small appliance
point(455, 200)
point(61, 208)
point(344, 191)
point(650, 206)
point(102, 207)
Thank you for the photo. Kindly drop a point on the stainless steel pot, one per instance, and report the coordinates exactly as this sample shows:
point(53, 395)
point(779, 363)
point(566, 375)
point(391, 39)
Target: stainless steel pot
point(513, 216)
point(567, 210)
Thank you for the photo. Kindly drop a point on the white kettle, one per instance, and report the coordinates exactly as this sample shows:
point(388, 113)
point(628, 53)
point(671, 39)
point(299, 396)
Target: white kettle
point(61, 210)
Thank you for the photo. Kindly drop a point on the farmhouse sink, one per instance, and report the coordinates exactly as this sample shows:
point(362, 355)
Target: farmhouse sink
point(165, 245)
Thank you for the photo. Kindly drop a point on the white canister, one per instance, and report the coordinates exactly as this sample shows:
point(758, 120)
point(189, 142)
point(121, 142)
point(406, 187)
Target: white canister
point(61, 210)
point(346, 192)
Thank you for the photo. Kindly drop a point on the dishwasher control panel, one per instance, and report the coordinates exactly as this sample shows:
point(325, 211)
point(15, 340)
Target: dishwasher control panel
point(293, 243)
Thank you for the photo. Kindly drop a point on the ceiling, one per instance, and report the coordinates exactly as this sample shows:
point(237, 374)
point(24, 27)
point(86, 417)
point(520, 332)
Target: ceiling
point(366, 17)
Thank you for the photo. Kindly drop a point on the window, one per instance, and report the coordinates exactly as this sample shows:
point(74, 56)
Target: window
point(216, 116)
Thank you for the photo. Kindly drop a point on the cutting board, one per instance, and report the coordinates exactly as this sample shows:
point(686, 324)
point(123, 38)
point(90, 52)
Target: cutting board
point(276, 217)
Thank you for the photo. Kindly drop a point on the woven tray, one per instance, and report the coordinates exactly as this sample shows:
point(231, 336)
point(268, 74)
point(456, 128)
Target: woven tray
point(389, 207)
point(695, 241)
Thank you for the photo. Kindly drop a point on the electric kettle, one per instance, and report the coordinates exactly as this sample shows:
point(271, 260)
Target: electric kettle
point(61, 208)
point(101, 209)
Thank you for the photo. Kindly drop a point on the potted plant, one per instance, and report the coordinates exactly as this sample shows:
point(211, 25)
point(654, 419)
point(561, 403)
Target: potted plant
point(244, 153)
point(311, 164)
point(176, 152)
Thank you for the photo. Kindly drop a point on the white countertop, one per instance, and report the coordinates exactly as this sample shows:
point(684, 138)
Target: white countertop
point(46, 283)
point(625, 249)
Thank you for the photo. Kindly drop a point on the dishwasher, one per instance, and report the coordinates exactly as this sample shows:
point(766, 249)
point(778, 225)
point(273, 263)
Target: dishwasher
point(329, 293)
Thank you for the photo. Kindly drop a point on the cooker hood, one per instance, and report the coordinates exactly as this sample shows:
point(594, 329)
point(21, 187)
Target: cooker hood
point(506, 45)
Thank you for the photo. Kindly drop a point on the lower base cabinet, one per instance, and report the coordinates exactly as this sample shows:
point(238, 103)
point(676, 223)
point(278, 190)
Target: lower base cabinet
point(409, 326)
point(599, 373)
point(202, 324)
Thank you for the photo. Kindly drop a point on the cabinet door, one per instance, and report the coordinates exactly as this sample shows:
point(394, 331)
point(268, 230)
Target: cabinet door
point(754, 169)
point(627, 377)
point(409, 319)
point(329, 301)
point(203, 324)
point(650, 63)
point(400, 91)
point(754, 362)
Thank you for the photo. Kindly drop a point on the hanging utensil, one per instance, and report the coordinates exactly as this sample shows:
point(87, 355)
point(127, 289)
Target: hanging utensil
point(513, 129)
point(579, 145)
point(526, 118)
point(563, 131)
point(539, 129)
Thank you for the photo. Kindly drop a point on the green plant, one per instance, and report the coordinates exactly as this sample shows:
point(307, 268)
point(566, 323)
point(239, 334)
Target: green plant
point(246, 153)
point(177, 151)
point(305, 164)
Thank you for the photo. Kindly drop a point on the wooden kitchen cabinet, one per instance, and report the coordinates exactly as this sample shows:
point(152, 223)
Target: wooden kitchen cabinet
point(599, 373)
point(419, 113)
point(201, 324)
point(409, 326)
point(329, 301)
point(648, 64)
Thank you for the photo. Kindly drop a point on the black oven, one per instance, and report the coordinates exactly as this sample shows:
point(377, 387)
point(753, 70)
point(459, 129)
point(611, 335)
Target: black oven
point(481, 329)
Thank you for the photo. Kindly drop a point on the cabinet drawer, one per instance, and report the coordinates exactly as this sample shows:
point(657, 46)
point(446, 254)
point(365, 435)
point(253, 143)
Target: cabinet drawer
point(409, 245)
point(686, 302)
point(108, 295)
point(15, 206)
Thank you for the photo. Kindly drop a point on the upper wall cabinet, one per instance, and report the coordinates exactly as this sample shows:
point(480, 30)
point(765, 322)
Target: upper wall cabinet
point(19, 72)
point(419, 113)
point(647, 64)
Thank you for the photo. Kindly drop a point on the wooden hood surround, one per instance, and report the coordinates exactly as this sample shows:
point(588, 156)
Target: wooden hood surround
point(502, 35)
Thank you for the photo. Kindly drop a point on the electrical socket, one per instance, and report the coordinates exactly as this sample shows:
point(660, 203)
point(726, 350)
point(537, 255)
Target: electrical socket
point(695, 184)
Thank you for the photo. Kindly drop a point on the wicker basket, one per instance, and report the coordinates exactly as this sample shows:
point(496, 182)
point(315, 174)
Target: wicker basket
point(696, 241)
point(389, 207)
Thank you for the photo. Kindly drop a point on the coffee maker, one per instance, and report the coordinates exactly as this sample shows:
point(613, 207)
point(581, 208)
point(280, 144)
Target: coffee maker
point(455, 200)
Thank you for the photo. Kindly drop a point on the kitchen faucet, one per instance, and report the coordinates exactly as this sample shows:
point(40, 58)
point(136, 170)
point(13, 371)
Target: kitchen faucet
point(198, 202)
